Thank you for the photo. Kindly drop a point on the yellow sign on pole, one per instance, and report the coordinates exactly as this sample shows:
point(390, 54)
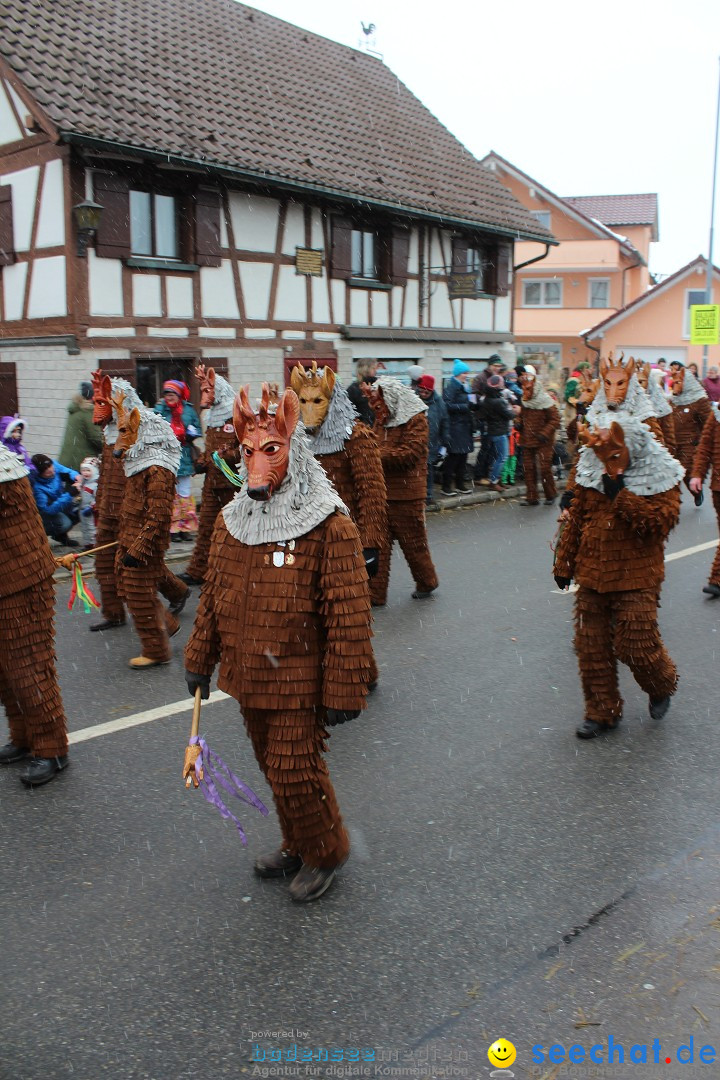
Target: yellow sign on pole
point(705, 324)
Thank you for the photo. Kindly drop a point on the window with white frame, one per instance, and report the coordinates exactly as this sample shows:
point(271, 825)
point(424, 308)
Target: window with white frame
point(542, 292)
point(542, 217)
point(692, 296)
point(599, 292)
point(153, 224)
point(363, 253)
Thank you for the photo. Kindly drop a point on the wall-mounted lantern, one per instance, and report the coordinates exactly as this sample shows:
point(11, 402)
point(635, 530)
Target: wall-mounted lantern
point(87, 219)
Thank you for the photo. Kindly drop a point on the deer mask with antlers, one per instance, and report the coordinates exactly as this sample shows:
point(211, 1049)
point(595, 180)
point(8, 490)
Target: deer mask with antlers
point(677, 380)
point(102, 393)
point(615, 377)
point(264, 438)
point(206, 378)
point(377, 402)
point(314, 391)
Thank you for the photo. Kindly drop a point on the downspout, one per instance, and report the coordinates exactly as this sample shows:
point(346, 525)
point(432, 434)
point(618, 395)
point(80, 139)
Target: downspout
point(592, 349)
point(528, 262)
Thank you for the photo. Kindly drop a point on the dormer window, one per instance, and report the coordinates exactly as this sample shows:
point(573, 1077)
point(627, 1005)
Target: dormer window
point(153, 224)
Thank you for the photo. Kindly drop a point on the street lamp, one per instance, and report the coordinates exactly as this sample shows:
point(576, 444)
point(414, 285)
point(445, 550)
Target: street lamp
point(87, 219)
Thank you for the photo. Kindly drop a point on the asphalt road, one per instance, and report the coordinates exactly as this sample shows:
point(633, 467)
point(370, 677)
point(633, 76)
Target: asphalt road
point(506, 879)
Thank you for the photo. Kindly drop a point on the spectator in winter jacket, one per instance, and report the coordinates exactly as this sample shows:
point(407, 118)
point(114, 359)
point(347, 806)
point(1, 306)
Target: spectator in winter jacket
point(57, 506)
point(497, 414)
point(712, 383)
point(365, 372)
point(82, 438)
point(460, 442)
point(175, 407)
point(438, 425)
point(12, 429)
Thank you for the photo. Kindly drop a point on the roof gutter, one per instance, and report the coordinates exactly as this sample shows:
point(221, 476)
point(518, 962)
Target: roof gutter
point(262, 179)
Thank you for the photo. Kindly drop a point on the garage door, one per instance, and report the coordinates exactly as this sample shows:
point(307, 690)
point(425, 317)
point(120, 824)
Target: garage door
point(653, 355)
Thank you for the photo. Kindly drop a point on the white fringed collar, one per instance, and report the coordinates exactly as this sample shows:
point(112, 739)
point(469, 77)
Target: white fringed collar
point(652, 468)
point(337, 427)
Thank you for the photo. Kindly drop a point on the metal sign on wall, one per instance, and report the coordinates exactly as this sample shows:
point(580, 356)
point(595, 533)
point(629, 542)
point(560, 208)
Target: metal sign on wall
point(308, 261)
point(465, 286)
point(705, 324)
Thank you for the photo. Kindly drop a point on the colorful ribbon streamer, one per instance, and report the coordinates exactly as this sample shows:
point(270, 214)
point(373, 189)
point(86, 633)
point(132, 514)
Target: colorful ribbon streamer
point(215, 772)
point(227, 472)
point(81, 591)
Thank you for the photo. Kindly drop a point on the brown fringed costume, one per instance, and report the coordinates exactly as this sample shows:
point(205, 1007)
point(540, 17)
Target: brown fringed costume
point(661, 406)
point(29, 690)
point(218, 396)
point(538, 421)
point(707, 456)
point(613, 546)
point(151, 455)
point(401, 429)
point(691, 409)
point(285, 611)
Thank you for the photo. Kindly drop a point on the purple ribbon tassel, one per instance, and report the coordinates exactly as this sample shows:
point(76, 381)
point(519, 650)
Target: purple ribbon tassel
point(217, 773)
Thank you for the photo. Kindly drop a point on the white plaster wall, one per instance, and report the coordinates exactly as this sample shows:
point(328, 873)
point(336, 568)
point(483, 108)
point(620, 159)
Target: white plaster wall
point(440, 311)
point(358, 307)
point(105, 285)
point(9, 129)
point(413, 261)
point(503, 314)
point(381, 308)
point(478, 315)
point(14, 277)
point(339, 290)
point(224, 241)
point(256, 279)
point(217, 292)
point(179, 293)
point(397, 301)
point(291, 301)
point(24, 184)
point(411, 304)
point(146, 294)
point(254, 221)
point(437, 260)
point(51, 223)
point(47, 288)
point(20, 106)
point(294, 235)
point(320, 300)
point(317, 236)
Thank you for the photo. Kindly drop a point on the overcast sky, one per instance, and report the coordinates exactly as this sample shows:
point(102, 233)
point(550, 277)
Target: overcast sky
point(612, 98)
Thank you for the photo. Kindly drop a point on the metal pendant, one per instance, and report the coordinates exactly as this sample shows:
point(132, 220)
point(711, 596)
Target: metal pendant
point(278, 558)
point(289, 559)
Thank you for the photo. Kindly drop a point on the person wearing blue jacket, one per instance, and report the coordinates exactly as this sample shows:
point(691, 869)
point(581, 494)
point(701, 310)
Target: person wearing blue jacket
point(460, 444)
point(58, 506)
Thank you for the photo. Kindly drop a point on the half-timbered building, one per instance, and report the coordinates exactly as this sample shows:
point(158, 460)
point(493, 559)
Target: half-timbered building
point(264, 196)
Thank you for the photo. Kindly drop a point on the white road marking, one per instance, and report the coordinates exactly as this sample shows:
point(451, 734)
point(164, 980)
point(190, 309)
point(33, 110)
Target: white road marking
point(691, 550)
point(171, 709)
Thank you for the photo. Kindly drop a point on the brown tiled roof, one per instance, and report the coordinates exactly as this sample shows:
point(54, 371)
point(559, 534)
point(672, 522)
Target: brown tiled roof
point(618, 209)
point(218, 82)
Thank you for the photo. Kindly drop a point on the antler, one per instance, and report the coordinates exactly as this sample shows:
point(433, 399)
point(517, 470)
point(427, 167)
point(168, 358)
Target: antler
point(118, 400)
point(200, 372)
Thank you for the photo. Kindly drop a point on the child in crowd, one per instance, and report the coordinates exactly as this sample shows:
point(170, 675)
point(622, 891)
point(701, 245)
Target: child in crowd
point(12, 429)
point(88, 490)
point(507, 476)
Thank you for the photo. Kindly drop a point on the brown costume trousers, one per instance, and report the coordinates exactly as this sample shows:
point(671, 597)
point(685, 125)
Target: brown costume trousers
point(534, 457)
point(138, 587)
point(715, 571)
point(29, 688)
point(289, 746)
point(169, 585)
point(213, 500)
point(619, 626)
point(406, 524)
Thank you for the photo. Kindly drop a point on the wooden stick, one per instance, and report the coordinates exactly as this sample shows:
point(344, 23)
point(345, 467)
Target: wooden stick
point(82, 554)
point(195, 728)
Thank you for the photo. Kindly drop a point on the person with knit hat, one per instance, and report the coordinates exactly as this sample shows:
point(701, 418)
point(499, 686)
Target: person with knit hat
point(538, 421)
point(175, 407)
point(497, 414)
point(460, 443)
point(88, 493)
point(57, 491)
point(82, 437)
point(12, 430)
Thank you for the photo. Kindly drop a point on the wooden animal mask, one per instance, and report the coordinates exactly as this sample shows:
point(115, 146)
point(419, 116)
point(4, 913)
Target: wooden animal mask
point(314, 392)
point(610, 447)
point(264, 438)
point(377, 402)
point(677, 380)
point(206, 378)
point(102, 392)
point(642, 370)
point(527, 382)
point(615, 378)
point(128, 425)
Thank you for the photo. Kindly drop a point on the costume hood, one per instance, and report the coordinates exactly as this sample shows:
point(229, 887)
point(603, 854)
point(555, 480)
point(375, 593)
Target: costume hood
point(11, 466)
point(636, 404)
point(540, 398)
point(692, 390)
point(337, 427)
point(132, 401)
point(222, 411)
point(155, 445)
point(402, 402)
point(652, 467)
point(661, 405)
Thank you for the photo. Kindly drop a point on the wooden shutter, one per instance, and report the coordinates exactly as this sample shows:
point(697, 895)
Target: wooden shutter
point(207, 228)
point(113, 235)
point(8, 390)
point(503, 255)
point(459, 255)
point(7, 249)
point(340, 262)
point(399, 253)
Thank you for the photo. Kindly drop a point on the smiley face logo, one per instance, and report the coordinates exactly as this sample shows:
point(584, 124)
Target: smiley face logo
point(502, 1053)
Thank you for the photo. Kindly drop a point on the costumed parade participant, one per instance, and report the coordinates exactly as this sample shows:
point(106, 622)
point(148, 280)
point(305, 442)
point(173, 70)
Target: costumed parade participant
point(29, 689)
point(285, 611)
point(108, 506)
point(175, 407)
point(401, 429)
point(691, 409)
point(218, 396)
point(580, 397)
point(708, 455)
point(150, 454)
point(662, 409)
point(538, 421)
point(626, 502)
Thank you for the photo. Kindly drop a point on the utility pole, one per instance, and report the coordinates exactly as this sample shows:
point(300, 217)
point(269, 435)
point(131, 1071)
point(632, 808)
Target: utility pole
point(709, 278)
